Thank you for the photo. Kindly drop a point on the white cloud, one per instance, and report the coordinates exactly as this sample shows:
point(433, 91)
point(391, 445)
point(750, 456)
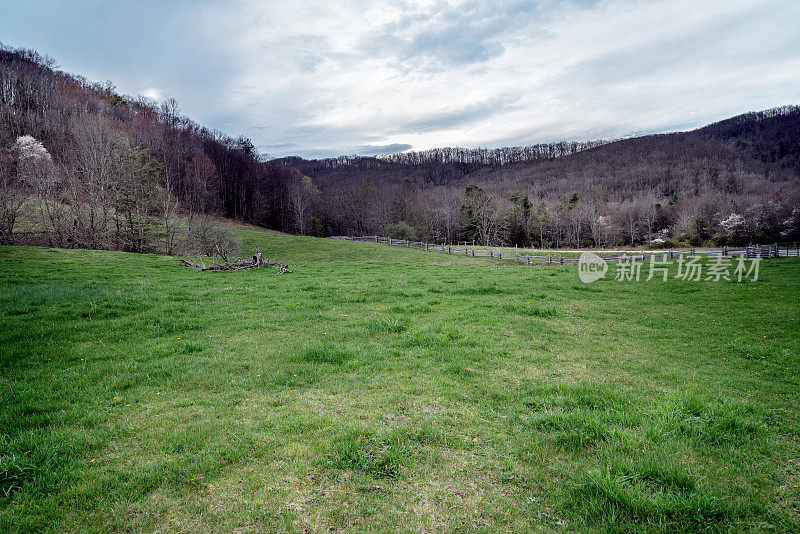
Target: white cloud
point(151, 93)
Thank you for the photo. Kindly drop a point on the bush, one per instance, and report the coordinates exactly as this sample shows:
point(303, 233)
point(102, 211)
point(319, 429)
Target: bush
point(401, 230)
point(210, 238)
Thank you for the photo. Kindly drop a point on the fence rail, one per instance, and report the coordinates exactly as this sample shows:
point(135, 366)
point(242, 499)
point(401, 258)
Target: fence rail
point(775, 250)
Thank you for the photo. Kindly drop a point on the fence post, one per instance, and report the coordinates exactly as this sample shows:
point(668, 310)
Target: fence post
point(670, 254)
point(693, 252)
point(724, 251)
point(528, 259)
point(390, 240)
point(491, 254)
point(473, 252)
point(561, 260)
point(549, 259)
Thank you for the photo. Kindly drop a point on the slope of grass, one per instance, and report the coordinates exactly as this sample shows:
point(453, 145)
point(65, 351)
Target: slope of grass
point(379, 388)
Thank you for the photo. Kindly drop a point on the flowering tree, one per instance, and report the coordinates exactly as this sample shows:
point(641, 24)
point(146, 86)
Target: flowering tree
point(791, 226)
point(31, 152)
point(733, 224)
point(36, 170)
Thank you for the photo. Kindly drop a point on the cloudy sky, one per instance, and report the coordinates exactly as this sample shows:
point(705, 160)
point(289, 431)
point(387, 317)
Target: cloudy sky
point(369, 77)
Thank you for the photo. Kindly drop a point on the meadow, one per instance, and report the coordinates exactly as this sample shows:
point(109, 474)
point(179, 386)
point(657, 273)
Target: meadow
point(379, 388)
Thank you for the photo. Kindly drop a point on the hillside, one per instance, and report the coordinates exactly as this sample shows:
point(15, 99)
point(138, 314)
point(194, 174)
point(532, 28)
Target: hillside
point(96, 161)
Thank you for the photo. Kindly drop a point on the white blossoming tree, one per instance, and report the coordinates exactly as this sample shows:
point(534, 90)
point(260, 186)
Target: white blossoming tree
point(734, 225)
point(35, 169)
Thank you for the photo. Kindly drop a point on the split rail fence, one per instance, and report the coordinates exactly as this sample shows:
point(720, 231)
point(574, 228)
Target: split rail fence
point(775, 250)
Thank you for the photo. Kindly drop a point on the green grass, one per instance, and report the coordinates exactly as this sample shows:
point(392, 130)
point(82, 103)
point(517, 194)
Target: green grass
point(380, 388)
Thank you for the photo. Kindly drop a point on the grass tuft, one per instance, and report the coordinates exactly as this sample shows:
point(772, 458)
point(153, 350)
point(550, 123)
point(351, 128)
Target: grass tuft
point(327, 353)
point(625, 494)
point(377, 455)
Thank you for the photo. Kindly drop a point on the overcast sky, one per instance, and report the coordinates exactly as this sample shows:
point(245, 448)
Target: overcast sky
point(370, 77)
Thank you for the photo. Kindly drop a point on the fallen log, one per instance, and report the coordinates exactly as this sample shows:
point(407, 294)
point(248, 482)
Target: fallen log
point(237, 265)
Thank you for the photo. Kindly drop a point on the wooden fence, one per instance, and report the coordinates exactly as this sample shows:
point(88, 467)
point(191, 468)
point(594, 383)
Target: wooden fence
point(752, 251)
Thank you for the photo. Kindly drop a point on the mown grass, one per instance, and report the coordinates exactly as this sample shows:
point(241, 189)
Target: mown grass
point(379, 388)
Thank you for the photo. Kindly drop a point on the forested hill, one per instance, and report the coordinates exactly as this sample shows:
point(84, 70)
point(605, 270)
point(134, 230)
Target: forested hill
point(436, 166)
point(735, 180)
point(83, 127)
point(771, 137)
point(92, 168)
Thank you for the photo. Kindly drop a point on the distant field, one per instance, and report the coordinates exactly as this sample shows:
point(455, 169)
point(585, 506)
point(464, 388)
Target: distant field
point(380, 388)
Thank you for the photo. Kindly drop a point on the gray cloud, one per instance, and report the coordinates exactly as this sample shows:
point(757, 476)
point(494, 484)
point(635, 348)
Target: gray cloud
point(446, 35)
point(461, 116)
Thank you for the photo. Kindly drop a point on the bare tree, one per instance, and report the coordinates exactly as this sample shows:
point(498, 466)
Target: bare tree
point(444, 205)
point(12, 195)
point(541, 220)
point(302, 193)
point(171, 169)
point(649, 213)
point(630, 218)
point(201, 174)
point(485, 214)
point(91, 183)
point(599, 224)
point(210, 238)
point(579, 214)
point(35, 168)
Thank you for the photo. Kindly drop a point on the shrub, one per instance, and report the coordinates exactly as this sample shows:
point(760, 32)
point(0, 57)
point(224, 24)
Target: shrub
point(401, 230)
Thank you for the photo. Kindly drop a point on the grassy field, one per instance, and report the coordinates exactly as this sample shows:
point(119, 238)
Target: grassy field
point(380, 388)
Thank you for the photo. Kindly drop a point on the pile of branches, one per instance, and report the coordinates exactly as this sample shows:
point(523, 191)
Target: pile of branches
point(225, 265)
